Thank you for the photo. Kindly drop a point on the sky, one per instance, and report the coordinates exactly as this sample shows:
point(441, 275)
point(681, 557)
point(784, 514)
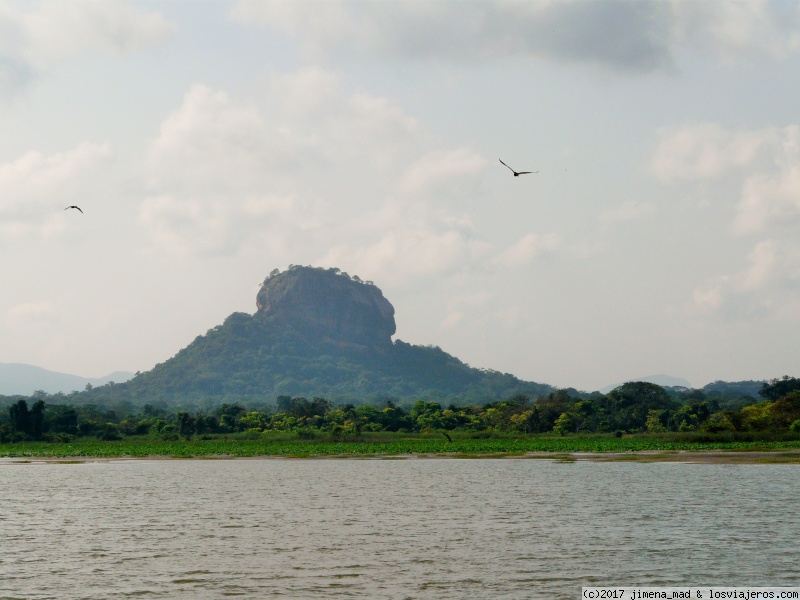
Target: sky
point(208, 143)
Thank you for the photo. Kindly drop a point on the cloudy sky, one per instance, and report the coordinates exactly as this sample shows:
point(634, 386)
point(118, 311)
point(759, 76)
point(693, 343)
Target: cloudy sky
point(209, 143)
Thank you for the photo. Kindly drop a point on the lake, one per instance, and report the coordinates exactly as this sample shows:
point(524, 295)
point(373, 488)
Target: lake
point(416, 528)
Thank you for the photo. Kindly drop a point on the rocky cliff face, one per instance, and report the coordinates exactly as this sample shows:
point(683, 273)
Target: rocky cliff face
point(327, 303)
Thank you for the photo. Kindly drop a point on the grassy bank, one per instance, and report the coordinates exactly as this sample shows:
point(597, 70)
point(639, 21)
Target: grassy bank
point(288, 445)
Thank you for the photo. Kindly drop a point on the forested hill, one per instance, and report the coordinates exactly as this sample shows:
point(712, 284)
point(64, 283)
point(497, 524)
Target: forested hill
point(317, 333)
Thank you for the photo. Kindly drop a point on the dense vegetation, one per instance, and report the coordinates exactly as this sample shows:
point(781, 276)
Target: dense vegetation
point(252, 359)
point(635, 407)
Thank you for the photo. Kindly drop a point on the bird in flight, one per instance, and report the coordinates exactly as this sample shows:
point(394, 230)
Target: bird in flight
point(75, 207)
point(516, 173)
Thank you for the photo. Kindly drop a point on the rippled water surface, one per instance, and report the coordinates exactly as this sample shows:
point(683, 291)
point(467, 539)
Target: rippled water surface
point(432, 528)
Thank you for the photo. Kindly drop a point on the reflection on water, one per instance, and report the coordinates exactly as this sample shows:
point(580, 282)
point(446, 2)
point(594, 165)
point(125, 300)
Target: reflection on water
point(436, 528)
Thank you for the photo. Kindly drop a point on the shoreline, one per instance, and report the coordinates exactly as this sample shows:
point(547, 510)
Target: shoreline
point(788, 456)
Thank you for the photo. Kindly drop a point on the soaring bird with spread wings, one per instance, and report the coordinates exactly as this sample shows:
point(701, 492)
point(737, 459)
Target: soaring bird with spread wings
point(75, 207)
point(516, 173)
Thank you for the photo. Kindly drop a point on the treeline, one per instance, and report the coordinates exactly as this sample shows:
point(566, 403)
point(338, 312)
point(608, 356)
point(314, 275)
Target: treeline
point(635, 407)
point(334, 270)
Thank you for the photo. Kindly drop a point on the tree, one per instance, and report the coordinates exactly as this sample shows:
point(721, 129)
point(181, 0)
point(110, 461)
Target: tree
point(20, 417)
point(149, 410)
point(37, 419)
point(524, 421)
point(62, 419)
point(719, 421)
point(284, 404)
point(253, 420)
point(184, 423)
point(654, 421)
point(300, 407)
point(564, 424)
point(777, 388)
point(548, 409)
point(757, 417)
point(786, 409)
point(320, 407)
point(690, 416)
point(394, 418)
point(228, 415)
point(630, 404)
point(208, 424)
point(427, 415)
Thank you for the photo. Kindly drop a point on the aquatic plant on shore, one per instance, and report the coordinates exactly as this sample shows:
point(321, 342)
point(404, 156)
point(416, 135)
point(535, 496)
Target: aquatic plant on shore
point(266, 445)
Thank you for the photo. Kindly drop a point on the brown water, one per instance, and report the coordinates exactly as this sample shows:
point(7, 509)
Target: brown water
point(434, 528)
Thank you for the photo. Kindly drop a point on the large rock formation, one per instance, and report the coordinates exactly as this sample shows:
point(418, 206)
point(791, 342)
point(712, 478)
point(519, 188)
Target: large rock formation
point(330, 304)
point(316, 333)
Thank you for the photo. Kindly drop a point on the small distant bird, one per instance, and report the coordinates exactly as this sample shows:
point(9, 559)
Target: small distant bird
point(75, 207)
point(516, 173)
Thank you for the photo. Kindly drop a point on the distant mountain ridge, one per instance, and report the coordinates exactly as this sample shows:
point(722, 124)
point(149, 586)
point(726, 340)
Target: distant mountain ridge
point(24, 380)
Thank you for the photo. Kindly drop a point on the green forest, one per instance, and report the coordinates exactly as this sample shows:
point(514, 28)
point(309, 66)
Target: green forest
point(252, 360)
point(632, 408)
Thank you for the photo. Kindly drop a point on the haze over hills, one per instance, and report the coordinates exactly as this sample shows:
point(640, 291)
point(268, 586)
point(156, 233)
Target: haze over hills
point(317, 333)
point(20, 379)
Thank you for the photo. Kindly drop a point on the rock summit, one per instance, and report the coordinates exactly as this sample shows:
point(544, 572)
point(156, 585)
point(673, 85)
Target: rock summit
point(330, 304)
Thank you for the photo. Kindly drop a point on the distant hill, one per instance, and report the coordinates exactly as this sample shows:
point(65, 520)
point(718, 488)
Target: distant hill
point(316, 333)
point(667, 381)
point(735, 388)
point(728, 394)
point(19, 379)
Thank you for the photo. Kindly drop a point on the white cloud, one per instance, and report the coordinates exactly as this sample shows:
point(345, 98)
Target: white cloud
point(511, 317)
point(769, 200)
point(35, 36)
point(709, 298)
point(628, 35)
point(706, 151)
point(305, 120)
point(314, 172)
point(211, 141)
point(35, 187)
point(224, 171)
point(463, 305)
point(735, 28)
point(442, 166)
point(308, 156)
point(767, 284)
point(627, 211)
point(208, 224)
point(526, 249)
point(757, 173)
point(410, 253)
point(771, 263)
point(31, 312)
point(764, 162)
